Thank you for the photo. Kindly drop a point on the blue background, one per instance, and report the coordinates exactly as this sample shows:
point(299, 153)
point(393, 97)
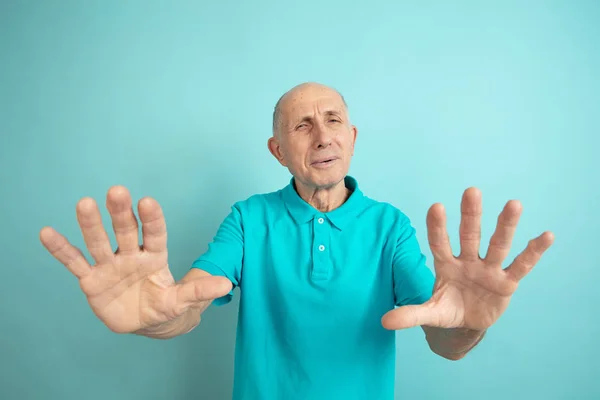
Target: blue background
point(174, 100)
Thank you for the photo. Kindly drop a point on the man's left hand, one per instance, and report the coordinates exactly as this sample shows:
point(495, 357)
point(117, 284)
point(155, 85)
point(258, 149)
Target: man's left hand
point(470, 292)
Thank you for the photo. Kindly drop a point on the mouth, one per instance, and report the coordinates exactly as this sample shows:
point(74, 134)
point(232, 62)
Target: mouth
point(325, 162)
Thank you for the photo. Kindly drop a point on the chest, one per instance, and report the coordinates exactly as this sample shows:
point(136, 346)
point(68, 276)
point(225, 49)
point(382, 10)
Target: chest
point(318, 265)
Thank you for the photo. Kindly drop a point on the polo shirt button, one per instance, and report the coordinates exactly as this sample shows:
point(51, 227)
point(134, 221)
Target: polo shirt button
point(321, 220)
point(321, 248)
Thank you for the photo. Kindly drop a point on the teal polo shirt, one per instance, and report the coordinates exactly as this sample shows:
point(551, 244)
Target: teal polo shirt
point(313, 288)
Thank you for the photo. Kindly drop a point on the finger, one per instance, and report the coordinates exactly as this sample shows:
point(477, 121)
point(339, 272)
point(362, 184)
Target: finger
point(202, 289)
point(93, 231)
point(154, 227)
point(125, 224)
point(525, 261)
point(69, 255)
point(503, 235)
point(470, 224)
point(437, 233)
point(408, 317)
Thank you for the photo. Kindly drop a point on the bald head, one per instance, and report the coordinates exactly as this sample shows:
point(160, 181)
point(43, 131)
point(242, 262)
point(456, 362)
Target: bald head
point(297, 93)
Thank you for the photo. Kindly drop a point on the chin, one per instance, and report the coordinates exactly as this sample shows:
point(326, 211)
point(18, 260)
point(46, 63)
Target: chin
point(326, 179)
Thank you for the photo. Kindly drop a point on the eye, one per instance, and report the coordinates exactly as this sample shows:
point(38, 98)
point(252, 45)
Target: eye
point(334, 120)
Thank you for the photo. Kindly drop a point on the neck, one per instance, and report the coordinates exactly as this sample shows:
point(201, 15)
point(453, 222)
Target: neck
point(323, 199)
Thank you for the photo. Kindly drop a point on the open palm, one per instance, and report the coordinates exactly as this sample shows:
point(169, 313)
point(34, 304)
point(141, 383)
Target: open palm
point(132, 288)
point(470, 291)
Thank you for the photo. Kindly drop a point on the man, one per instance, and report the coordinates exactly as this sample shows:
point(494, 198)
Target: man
point(321, 268)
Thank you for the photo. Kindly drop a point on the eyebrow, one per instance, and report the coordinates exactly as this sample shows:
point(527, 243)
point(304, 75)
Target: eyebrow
point(308, 118)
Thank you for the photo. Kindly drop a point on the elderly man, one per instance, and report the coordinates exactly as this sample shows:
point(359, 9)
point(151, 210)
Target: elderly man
point(326, 273)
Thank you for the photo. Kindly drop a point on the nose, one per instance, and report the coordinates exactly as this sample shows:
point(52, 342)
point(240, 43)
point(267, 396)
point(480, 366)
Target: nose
point(322, 136)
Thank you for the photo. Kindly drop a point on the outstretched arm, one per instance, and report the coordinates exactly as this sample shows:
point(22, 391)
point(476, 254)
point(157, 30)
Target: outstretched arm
point(470, 292)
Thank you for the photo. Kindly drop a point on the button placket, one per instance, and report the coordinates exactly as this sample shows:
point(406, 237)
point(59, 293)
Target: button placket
point(321, 256)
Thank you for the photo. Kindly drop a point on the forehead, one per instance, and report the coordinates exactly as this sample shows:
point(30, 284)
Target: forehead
point(309, 100)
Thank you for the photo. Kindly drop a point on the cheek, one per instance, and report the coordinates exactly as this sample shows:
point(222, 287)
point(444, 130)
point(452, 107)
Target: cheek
point(293, 154)
point(345, 142)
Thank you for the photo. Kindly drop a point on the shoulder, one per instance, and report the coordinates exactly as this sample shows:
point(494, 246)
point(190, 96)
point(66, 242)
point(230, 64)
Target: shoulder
point(385, 212)
point(259, 203)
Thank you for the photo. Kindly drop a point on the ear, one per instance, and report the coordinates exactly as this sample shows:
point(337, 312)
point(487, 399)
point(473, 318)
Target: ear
point(275, 149)
point(354, 132)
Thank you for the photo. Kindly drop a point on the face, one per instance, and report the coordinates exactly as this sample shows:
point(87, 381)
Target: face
point(315, 139)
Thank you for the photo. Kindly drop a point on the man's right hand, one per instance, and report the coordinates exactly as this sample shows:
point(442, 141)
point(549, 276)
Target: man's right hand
point(132, 290)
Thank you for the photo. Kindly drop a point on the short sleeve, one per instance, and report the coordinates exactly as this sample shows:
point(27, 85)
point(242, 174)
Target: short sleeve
point(413, 280)
point(225, 253)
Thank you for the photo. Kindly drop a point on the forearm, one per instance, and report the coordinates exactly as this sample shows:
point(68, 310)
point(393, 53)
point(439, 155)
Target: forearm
point(454, 343)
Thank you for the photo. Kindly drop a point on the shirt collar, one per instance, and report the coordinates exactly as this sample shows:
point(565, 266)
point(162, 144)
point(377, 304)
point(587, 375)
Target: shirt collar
point(303, 212)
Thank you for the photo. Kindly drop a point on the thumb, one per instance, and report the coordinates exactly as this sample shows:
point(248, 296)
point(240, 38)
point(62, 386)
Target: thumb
point(202, 289)
point(409, 316)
